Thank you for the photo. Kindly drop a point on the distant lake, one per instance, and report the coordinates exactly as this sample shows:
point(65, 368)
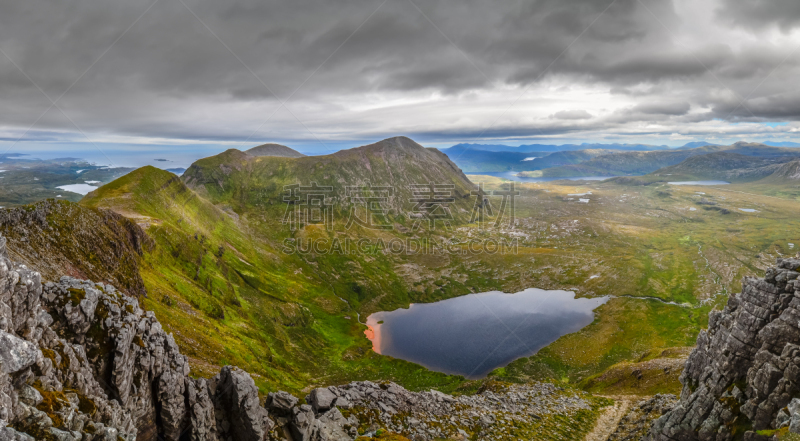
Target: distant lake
point(477, 333)
point(78, 188)
point(699, 183)
point(512, 176)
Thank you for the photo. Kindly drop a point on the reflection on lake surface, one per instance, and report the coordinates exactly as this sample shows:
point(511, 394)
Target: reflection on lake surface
point(699, 183)
point(474, 334)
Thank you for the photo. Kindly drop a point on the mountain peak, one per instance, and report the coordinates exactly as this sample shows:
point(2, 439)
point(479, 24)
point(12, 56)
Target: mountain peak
point(272, 149)
point(400, 142)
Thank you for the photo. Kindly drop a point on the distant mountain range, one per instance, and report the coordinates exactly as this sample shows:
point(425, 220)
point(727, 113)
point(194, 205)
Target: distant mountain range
point(557, 148)
point(476, 161)
point(527, 148)
point(782, 143)
point(596, 159)
point(733, 167)
point(641, 163)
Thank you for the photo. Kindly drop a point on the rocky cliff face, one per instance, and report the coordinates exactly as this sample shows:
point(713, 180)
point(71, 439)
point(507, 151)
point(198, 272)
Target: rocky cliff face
point(82, 361)
point(742, 378)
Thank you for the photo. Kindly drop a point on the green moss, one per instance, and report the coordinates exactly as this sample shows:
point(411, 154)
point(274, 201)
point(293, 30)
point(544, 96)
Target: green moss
point(75, 296)
point(86, 405)
point(48, 353)
point(52, 402)
point(101, 345)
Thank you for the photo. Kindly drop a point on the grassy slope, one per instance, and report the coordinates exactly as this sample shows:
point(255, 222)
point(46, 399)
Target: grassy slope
point(283, 320)
point(644, 241)
point(231, 297)
point(656, 372)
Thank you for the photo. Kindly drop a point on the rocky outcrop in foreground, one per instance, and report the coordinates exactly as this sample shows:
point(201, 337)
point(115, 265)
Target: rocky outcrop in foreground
point(743, 378)
point(508, 412)
point(82, 361)
point(636, 423)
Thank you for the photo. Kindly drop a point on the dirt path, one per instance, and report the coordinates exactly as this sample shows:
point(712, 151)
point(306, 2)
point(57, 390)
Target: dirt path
point(608, 421)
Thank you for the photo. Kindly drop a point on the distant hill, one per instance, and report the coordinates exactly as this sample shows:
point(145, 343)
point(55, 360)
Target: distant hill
point(786, 173)
point(724, 166)
point(274, 150)
point(695, 144)
point(596, 146)
point(528, 148)
point(789, 171)
point(239, 179)
point(477, 161)
point(482, 161)
point(477, 158)
point(782, 143)
point(622, 164)
point(641, 163)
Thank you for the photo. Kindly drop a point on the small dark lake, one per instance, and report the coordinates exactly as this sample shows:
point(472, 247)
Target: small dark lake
point(474, 334)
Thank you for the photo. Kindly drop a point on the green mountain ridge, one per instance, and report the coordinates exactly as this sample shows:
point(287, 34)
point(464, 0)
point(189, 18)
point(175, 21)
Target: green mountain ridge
point(240, 180)
point(219, 278)
point(272, 149)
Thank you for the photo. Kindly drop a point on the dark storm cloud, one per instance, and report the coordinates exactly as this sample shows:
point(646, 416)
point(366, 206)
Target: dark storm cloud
point(759, 14)
point(214, 70)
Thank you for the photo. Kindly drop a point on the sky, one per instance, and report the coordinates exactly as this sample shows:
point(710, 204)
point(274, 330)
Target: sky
point(166, 76)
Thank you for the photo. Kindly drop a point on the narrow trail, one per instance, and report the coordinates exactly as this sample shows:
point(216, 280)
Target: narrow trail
point(667, 302)
point(607, 422)
point(718, 279)
point(358, 316)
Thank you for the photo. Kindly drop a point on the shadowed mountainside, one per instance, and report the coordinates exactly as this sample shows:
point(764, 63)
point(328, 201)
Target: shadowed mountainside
point(62, 238)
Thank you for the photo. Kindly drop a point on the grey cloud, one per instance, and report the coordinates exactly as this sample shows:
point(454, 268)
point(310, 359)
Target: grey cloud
point(760, 14)
point(571, 114)
point(170, 77)
point(662, 108)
